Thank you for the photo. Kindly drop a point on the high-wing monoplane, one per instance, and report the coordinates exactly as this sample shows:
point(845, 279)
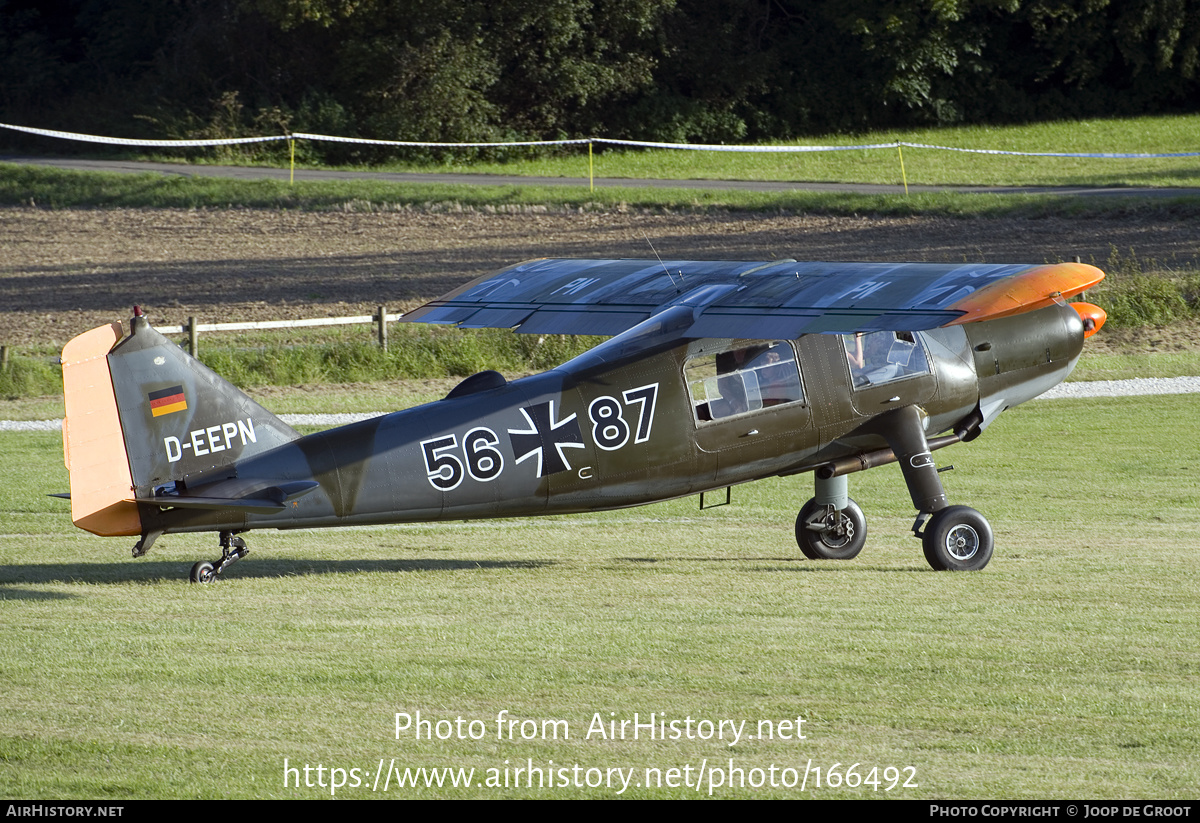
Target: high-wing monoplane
point(716, 373)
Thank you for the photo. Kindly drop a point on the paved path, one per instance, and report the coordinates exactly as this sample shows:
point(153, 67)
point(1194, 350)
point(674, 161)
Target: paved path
point(264, 173)
point(1096, 388)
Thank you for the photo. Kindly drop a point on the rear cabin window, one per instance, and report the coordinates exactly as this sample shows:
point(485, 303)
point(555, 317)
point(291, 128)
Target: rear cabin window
point(884, 356)
point(743, 379)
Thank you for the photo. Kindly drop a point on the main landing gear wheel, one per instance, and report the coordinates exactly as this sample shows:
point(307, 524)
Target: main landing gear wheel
point(957, 538)
point(823, 533)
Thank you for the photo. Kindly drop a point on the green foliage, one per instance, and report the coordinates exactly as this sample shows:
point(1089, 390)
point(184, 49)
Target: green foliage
point(446, 70)
point(29, 377)
point(413, 352)
point(1144, 293)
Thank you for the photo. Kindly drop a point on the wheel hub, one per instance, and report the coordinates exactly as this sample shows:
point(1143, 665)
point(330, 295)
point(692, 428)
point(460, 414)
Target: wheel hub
point(962, 542)
point(836, 529)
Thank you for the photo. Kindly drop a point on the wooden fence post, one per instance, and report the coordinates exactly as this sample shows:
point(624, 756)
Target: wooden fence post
point(193, 337)
point(381, 318)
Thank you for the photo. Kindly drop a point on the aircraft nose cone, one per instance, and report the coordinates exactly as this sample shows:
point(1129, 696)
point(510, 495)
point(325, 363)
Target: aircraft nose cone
point(1093, 317)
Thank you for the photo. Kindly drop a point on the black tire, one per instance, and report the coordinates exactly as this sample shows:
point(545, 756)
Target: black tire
point(958, 539)
point(203, 572)
point(843, 534)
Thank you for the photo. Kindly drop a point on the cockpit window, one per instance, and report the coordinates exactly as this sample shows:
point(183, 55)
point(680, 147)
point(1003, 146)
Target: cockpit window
point(882, 357)
point(743, 379)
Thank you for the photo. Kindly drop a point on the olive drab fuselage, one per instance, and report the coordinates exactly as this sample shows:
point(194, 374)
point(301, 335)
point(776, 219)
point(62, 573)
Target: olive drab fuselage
point(716, 373)
point(597, 434)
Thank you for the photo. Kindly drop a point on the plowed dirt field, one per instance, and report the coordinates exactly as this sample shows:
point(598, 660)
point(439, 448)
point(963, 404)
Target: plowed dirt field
point(63, 272)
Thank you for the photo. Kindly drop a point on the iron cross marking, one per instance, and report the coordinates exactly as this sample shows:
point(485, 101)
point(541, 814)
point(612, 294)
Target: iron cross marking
point(546, 438)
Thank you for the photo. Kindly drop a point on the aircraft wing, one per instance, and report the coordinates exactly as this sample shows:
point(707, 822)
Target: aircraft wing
point(747, 299)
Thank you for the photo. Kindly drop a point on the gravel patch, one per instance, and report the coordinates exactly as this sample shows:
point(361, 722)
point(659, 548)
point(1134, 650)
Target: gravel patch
point(1125, 388)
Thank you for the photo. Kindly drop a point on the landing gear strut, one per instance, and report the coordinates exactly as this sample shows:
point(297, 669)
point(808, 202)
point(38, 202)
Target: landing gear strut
point(831, 526)
point(142, 546)
point(233, 549)
point(956, 538)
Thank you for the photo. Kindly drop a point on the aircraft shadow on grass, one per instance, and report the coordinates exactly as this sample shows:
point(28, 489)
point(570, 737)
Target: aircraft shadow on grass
point(14, 579)
point(14, 576)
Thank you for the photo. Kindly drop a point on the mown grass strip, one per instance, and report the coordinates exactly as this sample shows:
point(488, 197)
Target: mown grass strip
point(922, 166)
point(50, 188)
point(1066, 669)
point(1141, 135)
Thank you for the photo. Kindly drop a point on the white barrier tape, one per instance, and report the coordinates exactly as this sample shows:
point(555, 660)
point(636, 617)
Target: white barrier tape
point(1102, 155)
point(333, 139)
point(753, 149)
point(122, 141)
point(896, 145)
point(252, 325)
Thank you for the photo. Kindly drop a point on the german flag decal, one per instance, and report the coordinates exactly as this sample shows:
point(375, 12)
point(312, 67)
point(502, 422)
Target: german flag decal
point(165, 401)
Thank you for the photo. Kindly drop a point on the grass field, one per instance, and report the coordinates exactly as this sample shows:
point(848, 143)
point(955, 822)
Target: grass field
point(916, 166)
point(1066, 669)
point(920, 166)
point(26, 186)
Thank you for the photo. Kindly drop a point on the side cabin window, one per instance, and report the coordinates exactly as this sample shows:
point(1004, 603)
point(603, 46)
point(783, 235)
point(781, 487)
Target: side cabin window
point(884, 356)
point(743, 379)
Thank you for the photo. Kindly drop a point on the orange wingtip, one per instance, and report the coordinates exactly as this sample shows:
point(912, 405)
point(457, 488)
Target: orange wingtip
point(1036, 288)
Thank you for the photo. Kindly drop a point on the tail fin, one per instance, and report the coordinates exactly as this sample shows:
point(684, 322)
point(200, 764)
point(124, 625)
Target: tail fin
point(143, 415)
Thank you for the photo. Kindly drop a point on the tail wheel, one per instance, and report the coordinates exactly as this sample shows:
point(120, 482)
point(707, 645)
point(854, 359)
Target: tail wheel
point(824, 533)
point(203, 572)
point(957, 538)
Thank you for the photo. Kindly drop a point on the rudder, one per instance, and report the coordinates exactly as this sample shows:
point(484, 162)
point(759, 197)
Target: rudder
point(93, 445)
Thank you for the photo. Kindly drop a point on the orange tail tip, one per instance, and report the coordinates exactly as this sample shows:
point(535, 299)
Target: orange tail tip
point(1093, 317)
point(93, 443)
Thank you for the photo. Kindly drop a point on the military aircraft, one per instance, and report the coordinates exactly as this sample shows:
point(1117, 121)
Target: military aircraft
point(716, 373)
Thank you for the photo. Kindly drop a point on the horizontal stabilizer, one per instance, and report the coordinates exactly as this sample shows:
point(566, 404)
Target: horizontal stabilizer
point(262, 500)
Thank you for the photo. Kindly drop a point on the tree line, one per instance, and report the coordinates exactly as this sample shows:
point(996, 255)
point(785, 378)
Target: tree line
point(671, 70)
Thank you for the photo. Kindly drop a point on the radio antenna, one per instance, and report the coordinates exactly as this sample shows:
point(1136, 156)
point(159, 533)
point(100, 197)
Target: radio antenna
point(664, 265)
